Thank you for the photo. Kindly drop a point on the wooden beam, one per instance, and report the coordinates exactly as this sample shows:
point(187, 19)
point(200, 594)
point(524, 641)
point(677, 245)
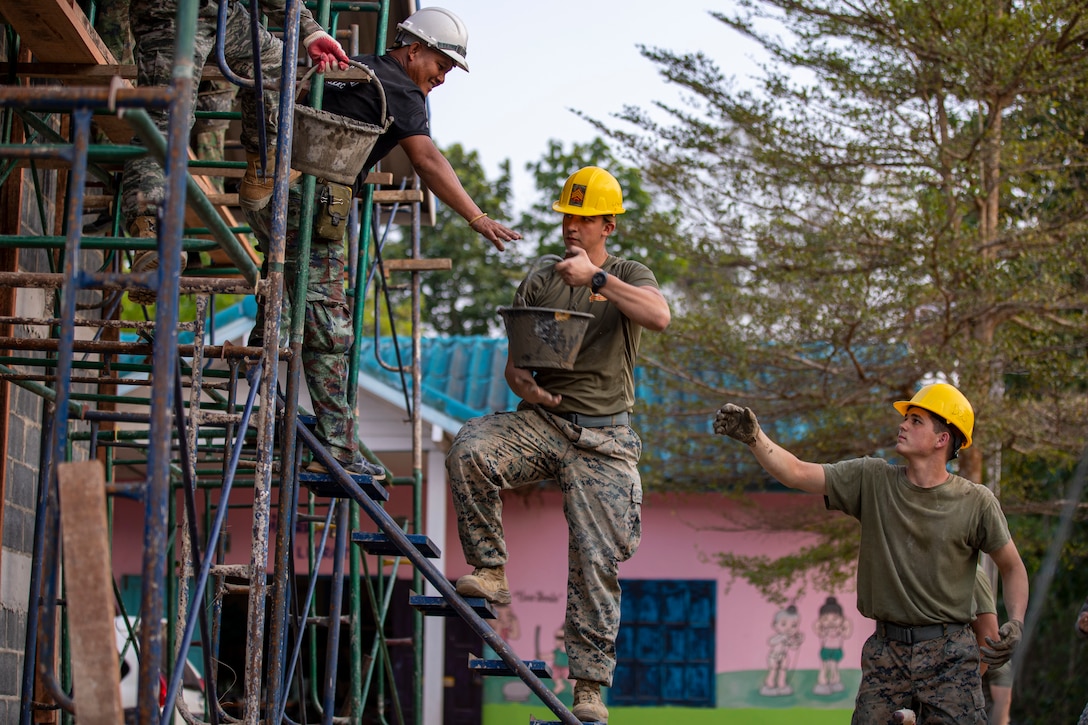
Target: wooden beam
point(417, 265)
point(88, 578)
point(56, 31)
point(391, 196)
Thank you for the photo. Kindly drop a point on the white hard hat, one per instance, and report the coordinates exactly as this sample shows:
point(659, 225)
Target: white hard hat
point(440, 29)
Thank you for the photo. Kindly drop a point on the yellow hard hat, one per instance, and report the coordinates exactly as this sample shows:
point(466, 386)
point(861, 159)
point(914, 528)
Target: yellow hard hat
point(949, 404)
point(590, 191)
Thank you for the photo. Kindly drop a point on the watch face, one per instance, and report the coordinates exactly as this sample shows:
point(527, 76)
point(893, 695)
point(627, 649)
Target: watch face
point(598, 280)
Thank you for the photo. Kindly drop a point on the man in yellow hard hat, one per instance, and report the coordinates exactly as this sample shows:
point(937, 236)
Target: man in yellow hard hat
point(922, 529)
point(573, 427)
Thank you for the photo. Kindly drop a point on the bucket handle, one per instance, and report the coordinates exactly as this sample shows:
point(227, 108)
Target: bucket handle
point(373, 78)
point(519, 300)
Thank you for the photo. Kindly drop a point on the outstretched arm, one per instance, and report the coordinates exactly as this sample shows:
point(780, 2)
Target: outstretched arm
point(741, 424)
point(439, 176)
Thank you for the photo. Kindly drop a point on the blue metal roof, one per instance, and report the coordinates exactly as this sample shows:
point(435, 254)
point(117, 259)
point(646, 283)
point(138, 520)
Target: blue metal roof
point(462, 375)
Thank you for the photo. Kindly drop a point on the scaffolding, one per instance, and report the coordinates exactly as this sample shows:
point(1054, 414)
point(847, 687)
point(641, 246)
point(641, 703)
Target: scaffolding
point(200, 421)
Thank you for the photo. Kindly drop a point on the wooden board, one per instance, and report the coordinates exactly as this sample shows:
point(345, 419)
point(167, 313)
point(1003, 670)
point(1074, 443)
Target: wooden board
point(57, 31)
point(88, 578)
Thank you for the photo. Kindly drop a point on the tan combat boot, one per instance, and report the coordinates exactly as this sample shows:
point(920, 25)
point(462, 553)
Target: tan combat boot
point(487, 582)
point(588, 706)
point(146, 260)
point(255, 191)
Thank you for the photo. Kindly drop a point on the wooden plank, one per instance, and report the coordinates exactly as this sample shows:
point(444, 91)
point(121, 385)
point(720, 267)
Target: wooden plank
point(390, 196)
point(96, 670)
point(437, 264)
point(379, 177)
point(56, 31)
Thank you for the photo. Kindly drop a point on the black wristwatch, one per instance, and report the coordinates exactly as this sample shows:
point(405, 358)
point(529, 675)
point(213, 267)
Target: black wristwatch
point(599, 278)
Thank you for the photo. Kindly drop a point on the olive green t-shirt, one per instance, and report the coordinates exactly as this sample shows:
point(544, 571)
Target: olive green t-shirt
point(919, 546)
point(985, 603)
point(603, 379)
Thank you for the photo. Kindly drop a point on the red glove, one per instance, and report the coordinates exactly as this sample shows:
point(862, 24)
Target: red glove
point(325, 51)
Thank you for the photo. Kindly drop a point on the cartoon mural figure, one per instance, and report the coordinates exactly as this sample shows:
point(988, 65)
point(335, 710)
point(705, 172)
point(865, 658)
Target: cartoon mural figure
point(560, 663)
point(787, 636)
point(506, 623)
point(832, 628)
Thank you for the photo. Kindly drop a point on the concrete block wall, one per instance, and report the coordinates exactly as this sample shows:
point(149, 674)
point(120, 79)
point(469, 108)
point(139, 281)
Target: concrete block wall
point(22, 459)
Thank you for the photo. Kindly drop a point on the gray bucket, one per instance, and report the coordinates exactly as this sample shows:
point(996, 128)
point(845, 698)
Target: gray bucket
point(335, 147)
point(541, 337)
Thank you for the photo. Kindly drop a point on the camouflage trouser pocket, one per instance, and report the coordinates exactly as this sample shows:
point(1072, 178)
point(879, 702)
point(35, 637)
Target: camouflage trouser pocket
point(333, 205)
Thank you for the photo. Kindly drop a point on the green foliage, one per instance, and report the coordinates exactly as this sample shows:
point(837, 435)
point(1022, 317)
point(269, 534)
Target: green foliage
point(902, 196)
point(818, 567)
point(464, 301)
point(186, 307)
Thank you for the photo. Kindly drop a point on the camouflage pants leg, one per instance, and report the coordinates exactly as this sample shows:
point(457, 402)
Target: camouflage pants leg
point(327, 329)
point(112, 25)
point(210, 135)
point(597, 471)
point(940, 674)
point(154, 27)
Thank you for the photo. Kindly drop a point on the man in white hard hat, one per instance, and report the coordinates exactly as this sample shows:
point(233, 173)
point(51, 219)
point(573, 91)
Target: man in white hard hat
point(429, 44)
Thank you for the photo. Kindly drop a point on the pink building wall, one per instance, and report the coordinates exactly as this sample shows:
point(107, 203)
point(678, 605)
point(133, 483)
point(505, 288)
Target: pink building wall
point(681, 535)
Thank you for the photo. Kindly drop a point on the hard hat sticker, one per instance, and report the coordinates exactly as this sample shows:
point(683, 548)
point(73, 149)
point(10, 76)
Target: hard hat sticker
point(577, 194)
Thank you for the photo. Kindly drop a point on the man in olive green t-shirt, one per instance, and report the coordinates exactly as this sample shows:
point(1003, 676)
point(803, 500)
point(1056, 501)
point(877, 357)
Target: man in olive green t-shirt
point(922, 529)
point(573, 427)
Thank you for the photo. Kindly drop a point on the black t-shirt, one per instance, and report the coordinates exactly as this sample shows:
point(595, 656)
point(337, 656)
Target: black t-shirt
point(404, 101)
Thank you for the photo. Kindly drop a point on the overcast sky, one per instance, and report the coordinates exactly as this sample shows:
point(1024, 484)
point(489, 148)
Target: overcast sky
point(533, 61)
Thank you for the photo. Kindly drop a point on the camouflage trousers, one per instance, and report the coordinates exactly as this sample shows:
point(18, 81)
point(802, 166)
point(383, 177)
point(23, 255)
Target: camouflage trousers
point(327, 330)
point(939, 676)
point(209, 136)
point(597, 472)
point(112, 24)
point(154, 27)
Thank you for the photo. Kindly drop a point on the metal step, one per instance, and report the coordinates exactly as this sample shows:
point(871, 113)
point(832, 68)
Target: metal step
point(325, 484)
point(501, 669)
point(374, 542)
point(439, 607)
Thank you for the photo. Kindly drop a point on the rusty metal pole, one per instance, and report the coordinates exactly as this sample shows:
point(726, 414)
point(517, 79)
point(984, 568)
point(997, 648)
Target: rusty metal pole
point(164, 363)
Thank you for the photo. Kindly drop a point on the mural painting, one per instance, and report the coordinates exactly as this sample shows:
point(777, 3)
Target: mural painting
point(690, 632)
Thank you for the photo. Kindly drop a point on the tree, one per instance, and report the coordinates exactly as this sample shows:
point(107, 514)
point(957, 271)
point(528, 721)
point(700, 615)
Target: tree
point(464, 301)
point(901, 198)
point(909, 212)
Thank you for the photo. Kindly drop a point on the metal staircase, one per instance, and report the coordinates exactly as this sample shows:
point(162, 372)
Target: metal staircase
point(201, 422)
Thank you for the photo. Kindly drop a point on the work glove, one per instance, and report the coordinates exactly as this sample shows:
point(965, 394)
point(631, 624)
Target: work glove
point(324, 51)
point(736, 422)
point(1000, 652)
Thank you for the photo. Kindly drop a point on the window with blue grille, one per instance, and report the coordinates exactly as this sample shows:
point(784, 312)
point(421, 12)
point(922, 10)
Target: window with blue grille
point(665, 648)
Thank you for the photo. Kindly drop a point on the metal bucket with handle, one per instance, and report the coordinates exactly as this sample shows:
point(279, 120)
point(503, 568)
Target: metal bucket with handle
point(331, 146)
point(543, 337)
